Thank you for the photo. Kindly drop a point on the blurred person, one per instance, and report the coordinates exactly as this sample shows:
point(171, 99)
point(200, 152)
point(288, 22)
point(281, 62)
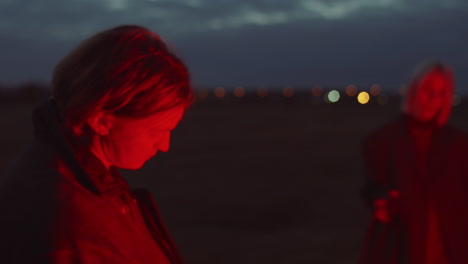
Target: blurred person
point(417, 178)
point(116, 99)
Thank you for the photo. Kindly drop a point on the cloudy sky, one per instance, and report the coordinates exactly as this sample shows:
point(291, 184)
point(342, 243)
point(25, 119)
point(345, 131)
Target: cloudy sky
point(251, 42)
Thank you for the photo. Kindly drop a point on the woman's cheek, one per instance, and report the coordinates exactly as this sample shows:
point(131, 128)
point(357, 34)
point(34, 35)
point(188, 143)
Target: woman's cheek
point(142, 147)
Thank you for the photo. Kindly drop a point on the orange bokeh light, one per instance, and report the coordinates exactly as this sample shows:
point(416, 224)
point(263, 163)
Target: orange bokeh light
point(375, 89)
point(220, 92)
point(363, 97)
point(351, 90)
point(288, 91)
point(239, 92)
point(317, 90)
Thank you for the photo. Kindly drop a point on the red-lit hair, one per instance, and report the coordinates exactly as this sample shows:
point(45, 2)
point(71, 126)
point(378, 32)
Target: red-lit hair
point(425, 69)
point(127, 71)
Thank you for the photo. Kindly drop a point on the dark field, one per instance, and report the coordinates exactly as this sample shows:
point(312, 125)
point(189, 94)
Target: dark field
point(256, 182)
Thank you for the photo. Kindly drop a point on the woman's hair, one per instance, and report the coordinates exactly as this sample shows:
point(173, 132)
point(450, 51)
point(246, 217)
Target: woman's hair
point(426, 68)
point(429, 66)
point(127, 71)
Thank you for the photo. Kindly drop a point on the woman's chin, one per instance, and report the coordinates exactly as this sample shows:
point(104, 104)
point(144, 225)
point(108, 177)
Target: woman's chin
point(133, 166)
point(427, 118)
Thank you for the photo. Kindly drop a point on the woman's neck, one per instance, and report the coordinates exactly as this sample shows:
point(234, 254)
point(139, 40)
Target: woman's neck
point(418, 127)
point(97, 149)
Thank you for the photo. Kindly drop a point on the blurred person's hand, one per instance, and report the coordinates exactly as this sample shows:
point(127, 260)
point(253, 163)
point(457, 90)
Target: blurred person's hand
point(386, 209)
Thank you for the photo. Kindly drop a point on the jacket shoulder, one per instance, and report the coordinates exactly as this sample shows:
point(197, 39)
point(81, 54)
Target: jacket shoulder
point(455, 132)
point(385, 132)
point(453, 138)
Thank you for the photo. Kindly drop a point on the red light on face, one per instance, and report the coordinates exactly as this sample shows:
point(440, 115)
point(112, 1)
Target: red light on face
point(136, 140)
point(430, 96)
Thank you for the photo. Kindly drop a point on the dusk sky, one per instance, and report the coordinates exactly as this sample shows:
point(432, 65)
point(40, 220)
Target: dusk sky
point(256, 42)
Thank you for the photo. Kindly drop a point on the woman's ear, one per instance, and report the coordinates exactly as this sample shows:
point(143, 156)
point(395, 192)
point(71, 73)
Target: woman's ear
point(100, 123)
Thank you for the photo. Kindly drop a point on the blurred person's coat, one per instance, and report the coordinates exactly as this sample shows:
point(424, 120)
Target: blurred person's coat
point(437, 188)
point(58, 206)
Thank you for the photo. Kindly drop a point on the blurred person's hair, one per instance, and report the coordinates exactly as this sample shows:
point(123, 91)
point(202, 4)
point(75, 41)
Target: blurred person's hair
point(429, 66)
point(126, 71)
point(424, 69)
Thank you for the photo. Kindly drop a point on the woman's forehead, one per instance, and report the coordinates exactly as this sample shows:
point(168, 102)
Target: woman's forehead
point(434, 81)
point(167, 118)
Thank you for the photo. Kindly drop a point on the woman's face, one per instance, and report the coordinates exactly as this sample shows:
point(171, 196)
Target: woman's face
point(131, 142)
point(431, 95)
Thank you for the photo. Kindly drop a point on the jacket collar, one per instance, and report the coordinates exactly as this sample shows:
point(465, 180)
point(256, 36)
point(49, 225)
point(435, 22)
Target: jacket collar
point(86, 167)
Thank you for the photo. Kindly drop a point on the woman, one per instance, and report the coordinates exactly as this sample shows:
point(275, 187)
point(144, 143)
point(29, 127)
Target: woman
point(417, 181)
point(116, 99)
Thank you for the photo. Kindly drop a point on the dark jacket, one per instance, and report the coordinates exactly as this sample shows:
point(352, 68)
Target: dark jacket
point(390, 159)
point(60, 207)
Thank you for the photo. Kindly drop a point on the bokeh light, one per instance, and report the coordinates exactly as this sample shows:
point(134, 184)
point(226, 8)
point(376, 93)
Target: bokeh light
point(239, 92)
point(333, 96)
point(317, 90)
point(262, 91)
point(220, 92)
point(375, 90)
point(382, 99)
point(363, 97)
point(288, 91)
point(203, 93)
point(351, 90)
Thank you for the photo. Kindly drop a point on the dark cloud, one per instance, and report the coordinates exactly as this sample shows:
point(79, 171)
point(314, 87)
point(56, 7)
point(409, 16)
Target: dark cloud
point(363, 50)
point(226, 42)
